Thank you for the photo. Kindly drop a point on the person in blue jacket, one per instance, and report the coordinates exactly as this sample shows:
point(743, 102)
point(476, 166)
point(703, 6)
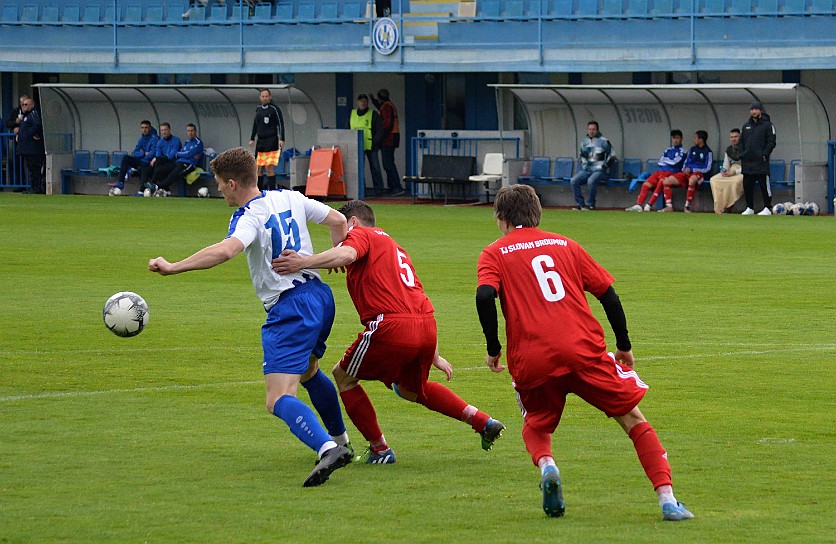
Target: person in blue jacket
point(163, 161)
point(146, 147)
point(187, 159)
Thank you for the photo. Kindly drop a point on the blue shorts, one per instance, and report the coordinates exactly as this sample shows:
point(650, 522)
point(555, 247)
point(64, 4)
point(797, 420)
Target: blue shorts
point(297, 326)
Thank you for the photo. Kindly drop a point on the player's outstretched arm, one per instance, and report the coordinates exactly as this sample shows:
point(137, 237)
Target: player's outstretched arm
point(338, 226)
point(290, 261)
point(205, 258)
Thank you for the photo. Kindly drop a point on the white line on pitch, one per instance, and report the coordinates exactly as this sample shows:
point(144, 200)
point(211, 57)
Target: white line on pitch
point(70, 394)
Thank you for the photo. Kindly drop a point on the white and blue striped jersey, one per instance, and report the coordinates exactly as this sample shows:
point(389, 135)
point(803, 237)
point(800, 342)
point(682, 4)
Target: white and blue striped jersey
point(269, 224)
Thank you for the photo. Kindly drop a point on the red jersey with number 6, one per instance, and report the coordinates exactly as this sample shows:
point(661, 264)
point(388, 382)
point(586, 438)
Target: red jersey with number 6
point(541, 278)
point(382, 280)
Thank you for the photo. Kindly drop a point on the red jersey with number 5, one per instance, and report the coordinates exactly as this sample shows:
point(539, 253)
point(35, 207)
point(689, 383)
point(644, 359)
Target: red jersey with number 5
point(541, 278)
point(382, 280)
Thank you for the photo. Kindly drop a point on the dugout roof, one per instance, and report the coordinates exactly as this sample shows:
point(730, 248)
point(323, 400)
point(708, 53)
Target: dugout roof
point(638, 119)
point(107, 117)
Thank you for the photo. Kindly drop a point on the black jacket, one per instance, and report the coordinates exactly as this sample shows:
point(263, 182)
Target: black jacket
point(757, 138)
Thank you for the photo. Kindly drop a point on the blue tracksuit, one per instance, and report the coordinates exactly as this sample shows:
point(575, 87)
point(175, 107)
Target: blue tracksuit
point(146, 147)
point(168, 148)
point(672, 159)
point(191, 152)
point(700, 159)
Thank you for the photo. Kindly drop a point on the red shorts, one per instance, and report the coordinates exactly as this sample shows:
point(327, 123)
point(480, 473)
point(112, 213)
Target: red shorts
point(613, 389)
point(395, 349)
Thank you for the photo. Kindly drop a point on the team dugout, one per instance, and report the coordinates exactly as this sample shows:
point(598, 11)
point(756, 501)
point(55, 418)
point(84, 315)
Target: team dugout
point(638, 119)
point(107, 117)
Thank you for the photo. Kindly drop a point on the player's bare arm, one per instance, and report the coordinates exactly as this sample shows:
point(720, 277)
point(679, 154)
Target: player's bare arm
point(290, 261)
point(205, 258)
point(337, 225)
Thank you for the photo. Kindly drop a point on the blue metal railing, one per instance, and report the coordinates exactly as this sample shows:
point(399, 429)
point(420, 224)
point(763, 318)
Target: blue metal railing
point(12, 173)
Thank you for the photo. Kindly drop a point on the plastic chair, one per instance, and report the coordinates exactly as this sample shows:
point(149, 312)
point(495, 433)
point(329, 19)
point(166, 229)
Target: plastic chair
point(540, 168)
point(631, 167)
point(564, 167)
point(92, 14)
point(10, 13)
point(72, 14)
point(101, 159)
point(51, 14)
point(491, 169)
point(776, 170)
point(154, 14)
point(306, 10)
point(284, 11)
point(263, 11)
point(29, 13)
point(651, 166)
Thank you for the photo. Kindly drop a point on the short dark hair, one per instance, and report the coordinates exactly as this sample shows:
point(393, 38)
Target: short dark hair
point(165, 125)
point(236, 163)
point(593, 123)
point(702, 135)
point(145, 122)
point(737, 130)
point(265, 91)
point(192, 125)
point(518, 205)
point(676, 132)
point(360, 210)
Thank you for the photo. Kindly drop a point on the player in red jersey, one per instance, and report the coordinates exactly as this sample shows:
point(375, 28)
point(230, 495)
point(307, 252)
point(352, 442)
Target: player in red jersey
point(555, 344)
point(399, 343)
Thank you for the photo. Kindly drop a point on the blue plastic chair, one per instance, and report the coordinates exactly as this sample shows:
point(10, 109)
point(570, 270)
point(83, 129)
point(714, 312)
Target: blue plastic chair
point(776, 170)
point(651, 166)
point(71, 14)
point(514, 8)
point(306, 11)
point(29, 13)
point(10, 13)
point(612, 7)
point(263, 11)
point(490, 8)
point(284, 11)
point(92, 14)
point(51, 14)
point(328, 10)
point(562, 8)
point(154, 14)
point(564, 168)
point(633, 167)
point(133, 13)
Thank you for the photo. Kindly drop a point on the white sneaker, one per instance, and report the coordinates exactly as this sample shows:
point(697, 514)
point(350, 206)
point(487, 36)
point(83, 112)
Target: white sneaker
point(748, 211)
point(647, 207)
point(667, 209)
point(765, 211)
point(634, 208)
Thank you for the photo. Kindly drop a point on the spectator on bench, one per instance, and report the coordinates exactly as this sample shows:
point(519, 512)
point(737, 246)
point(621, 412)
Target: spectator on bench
point(727, 186)
point(163, 162)
point(187, 159)
point(144, 151)
point(595, 155)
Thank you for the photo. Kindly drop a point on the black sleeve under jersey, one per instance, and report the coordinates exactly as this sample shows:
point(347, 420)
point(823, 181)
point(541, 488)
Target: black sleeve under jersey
point(486, 308)
point(280, 120)
point(615, 315)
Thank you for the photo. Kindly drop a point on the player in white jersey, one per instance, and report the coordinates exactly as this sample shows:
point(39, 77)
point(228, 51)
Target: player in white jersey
point(300, 307)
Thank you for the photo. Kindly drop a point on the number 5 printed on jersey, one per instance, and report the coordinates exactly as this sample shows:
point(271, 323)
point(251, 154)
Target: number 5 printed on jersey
point(551, 285)
point(284, 226)
point(407, 276)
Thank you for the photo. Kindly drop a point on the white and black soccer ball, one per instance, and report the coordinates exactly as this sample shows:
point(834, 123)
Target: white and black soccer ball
point(114, 191)
point(779, 209)
point(203, 192)
point(125, 314)
point(811, 208)
point(797, 209)
point(146, 193)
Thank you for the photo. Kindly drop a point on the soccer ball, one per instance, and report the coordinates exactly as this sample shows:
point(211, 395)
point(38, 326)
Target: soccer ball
point(125, 314)
point(203, 192)
point(114, 191)
point(779, 209)
point(797, 209)
point(146, 193)
point(811, 208)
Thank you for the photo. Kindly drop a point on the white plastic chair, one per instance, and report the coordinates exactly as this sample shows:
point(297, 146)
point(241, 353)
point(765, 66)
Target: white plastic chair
point(491, 169)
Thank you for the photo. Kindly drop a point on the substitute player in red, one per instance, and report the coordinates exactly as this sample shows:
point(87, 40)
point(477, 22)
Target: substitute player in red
point(555, 344)
point(399, 344)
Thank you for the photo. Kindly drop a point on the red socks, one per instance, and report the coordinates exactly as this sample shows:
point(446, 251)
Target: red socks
point(643, 195)
point(652, 455)
point(359, 409)
point(689, 196)
point(439, 399)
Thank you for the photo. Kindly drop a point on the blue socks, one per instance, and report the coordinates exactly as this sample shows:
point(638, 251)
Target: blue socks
point(324, 398)
point(302, 421)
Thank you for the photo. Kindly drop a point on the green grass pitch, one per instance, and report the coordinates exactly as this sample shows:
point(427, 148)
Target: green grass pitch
point(164, 437)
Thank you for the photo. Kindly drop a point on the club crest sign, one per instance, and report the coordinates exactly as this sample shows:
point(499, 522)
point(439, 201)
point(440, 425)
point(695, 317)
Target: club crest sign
point(385, 36)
